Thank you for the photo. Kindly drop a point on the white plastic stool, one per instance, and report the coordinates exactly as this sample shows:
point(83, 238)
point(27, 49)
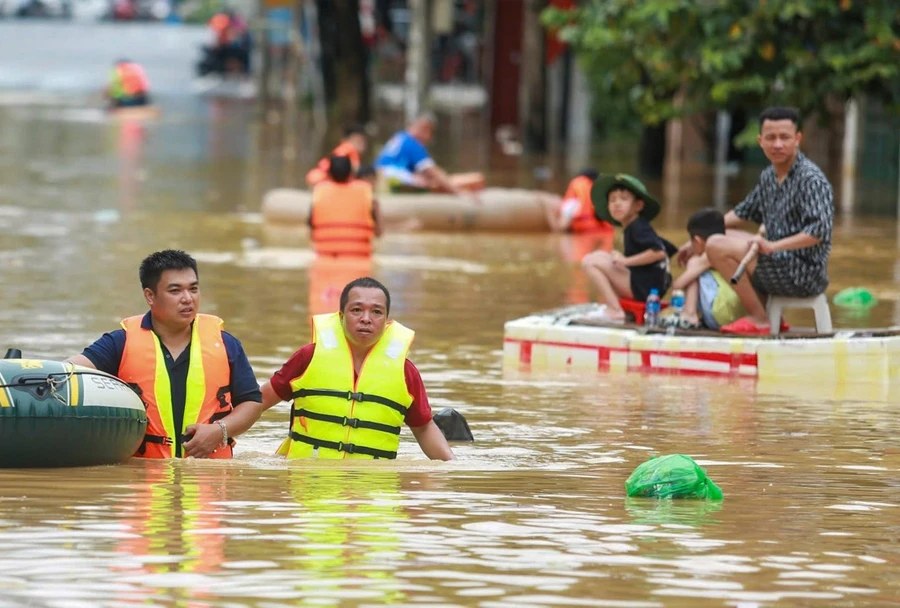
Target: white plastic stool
point(819, 305)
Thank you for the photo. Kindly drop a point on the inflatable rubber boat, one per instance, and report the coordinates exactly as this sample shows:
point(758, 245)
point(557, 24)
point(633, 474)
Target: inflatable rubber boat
point(500, 210)
point(56, 414)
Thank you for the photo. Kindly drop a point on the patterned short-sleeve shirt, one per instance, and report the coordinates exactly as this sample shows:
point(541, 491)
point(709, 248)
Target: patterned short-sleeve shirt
point(803, 202)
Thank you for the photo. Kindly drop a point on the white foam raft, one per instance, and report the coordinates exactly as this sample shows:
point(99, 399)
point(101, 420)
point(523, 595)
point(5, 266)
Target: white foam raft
point(500, 210)
point(568, 339)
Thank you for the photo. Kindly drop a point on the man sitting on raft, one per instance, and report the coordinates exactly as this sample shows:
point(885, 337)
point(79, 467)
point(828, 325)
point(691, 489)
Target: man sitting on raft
point(795, 203)
point(128, 86)
point(406, 166)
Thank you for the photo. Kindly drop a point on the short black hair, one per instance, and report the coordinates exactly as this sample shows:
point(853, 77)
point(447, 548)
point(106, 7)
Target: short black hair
point(365, 283)
point(590, 173)
point(705, 223)
point(340, 169)
point(619, 187)
point(780, 113)
point(354, 129)
point(155, 264)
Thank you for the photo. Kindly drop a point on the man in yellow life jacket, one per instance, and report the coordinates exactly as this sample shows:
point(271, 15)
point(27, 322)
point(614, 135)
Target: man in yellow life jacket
point(194, 378)
point(344, 217)
point(128, 85)
point(353, 387)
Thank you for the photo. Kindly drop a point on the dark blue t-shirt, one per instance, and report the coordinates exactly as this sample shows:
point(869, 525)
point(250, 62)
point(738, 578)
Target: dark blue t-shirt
point(106, 355)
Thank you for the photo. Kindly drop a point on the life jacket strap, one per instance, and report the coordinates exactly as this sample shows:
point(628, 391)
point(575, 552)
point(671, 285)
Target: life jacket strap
point(340, 446)
point(354, 423)
point(350, 396)
point(157, 439)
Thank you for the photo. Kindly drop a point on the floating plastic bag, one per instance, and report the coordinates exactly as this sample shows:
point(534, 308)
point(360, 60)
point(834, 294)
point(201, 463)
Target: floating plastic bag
point(855, 297)
point(672, 476)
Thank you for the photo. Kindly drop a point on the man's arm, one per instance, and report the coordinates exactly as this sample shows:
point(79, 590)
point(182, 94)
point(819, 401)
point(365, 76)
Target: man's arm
point(801, 240)
point(269, 396)
point(207, 437)
point(80, 360)
point(376, 216)
point(432, 441)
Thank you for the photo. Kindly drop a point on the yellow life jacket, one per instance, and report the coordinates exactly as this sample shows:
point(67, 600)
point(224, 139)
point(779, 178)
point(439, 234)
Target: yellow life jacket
point(335, 417)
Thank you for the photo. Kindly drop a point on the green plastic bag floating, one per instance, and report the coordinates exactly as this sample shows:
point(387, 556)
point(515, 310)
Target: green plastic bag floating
point(855, 297)
point(672, 476)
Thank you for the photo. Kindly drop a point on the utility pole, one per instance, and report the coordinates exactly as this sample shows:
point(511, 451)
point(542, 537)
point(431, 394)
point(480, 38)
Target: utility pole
point(533, 85)
point(418, 58)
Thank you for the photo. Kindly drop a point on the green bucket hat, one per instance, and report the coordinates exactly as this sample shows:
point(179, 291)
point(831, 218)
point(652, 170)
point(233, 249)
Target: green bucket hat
point(605, 183)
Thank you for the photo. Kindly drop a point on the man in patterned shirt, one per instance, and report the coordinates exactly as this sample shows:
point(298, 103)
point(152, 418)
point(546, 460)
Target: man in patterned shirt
point(795, 203)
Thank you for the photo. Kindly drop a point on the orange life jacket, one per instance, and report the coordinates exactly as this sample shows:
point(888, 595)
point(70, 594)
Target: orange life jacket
point(208, 390)
point(585, 220)
point(133, 79)
point(319, 173)
point(342, 221)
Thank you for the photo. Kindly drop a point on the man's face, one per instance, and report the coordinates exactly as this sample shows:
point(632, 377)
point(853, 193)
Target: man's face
point(779, 140)
point(423, 131)
point(364, 316)
point(176, 299)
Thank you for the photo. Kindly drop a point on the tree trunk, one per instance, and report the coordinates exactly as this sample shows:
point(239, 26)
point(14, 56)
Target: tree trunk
point(533, 88)
point(652, 150)
point(345, 60)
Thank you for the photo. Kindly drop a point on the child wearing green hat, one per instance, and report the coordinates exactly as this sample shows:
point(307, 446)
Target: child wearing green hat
point(623, 200)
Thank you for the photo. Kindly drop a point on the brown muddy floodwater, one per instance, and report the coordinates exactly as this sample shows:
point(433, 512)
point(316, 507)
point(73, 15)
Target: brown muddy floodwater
point(532, 514)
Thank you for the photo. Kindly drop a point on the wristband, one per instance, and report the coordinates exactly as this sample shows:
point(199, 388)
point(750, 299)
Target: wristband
point(224, 428)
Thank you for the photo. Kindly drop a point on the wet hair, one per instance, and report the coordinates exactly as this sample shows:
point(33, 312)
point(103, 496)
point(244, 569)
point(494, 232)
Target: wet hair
point(590, 173)
point(365, 171)
point(365, 283)
point(155, 264)
point(705, 223)
point(354, 129)
point(340, 169)
point(780, 113)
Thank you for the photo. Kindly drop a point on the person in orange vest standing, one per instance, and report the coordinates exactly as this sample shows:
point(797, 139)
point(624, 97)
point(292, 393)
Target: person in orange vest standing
point(353, 146)
point(194, 378)
point(128, 85)
point(344, 217)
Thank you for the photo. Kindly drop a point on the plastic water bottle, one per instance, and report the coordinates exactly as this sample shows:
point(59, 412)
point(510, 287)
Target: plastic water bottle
point(651, 309)
point(676, 303)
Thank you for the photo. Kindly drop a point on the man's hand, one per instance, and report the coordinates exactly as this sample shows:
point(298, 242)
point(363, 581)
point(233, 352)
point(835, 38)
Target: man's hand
point(684, 253)
point(765, 247)
point(206, 438)
point(618, 259)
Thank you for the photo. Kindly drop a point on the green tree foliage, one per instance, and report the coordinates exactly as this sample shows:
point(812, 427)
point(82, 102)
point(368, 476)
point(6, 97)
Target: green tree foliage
point(722, 54)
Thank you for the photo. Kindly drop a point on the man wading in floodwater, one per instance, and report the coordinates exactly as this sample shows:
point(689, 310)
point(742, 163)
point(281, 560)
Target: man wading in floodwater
point(353, 387)
point(795, 202)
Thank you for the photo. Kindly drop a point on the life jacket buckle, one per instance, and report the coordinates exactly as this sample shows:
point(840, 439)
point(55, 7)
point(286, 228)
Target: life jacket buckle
point(345, 447)
point(351, 396)
point(353, 423)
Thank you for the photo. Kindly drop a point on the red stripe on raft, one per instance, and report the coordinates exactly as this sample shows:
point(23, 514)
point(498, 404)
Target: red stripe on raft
point(734, 360)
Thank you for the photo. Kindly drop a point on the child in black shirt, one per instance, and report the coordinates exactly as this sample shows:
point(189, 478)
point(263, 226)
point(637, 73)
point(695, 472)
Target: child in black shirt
point(625, 201)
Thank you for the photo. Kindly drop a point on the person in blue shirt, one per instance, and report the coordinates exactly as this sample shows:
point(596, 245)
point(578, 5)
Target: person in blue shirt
point(405, 165)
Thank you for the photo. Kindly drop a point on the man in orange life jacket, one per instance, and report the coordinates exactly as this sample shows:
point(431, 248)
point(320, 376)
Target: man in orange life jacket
point(128, 85)
point(194, 378)
point(344, 217)
point(338, 414)
point(353, 146)
point(575, 212)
